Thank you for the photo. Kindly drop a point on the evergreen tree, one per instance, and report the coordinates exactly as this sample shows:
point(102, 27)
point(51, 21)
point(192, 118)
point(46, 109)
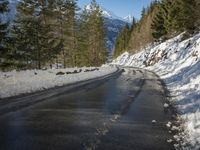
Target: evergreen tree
point(197, 14)
point(92, 36)
point(185, 15)
point(174, 16)
point(72, 34)
point(97, 44)
point(141, 35)
point(122, 41)
point(3, 34)
point(143, 11)
point(83, 38)
point(133, 25)
point(168, 14)
point(31, 34)
point(158, 25)
point(65, 30)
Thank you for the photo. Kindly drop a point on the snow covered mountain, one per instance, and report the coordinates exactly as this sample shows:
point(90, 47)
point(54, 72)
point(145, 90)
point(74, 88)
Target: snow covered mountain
point(177, 62)
point(113, 28)
point(109, 14)
point(128, 18)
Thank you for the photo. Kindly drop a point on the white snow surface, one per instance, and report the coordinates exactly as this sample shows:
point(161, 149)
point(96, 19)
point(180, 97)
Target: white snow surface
point(109, 14)
point(178, 64)
point(20, 82)
point(129, 18)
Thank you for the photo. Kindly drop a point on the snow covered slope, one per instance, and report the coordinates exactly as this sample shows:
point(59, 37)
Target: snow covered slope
point(16, 83)
point(178, 63)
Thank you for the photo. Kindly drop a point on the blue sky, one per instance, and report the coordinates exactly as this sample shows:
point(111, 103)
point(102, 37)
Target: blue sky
point(121, 8)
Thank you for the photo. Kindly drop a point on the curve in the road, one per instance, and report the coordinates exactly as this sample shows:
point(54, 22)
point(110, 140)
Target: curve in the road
point(114, 114)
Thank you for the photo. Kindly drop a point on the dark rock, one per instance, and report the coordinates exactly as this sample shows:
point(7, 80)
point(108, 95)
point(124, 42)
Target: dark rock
point(68, 73)
point(60, 73)
point(75, 71)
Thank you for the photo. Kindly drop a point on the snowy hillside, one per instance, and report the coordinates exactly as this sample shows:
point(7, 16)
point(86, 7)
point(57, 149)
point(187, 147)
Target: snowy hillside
point(178, 63)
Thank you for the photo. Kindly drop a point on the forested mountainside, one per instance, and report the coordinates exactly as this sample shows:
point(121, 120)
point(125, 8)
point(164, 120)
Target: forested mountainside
point(161, 20)
point(112, 23)
point(45, 33)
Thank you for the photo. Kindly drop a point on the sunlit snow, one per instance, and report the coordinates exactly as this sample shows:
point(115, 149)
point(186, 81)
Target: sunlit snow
point(178, 63)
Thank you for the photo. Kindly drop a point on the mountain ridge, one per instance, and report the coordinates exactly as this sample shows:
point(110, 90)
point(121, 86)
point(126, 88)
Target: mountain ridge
point(109, 14)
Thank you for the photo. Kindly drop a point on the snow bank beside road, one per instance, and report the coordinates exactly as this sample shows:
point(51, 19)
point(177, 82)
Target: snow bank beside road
point(16, 83)
point(178, 63)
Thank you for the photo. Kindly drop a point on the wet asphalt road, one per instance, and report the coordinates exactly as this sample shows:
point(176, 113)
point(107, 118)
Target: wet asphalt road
point(114, 114)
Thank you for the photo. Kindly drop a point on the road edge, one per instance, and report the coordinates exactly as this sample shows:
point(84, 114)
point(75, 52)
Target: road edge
point(12, 104)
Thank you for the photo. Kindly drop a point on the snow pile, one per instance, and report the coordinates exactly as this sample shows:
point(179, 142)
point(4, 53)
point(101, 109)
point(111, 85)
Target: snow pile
point(178, 63)
point(15, 83)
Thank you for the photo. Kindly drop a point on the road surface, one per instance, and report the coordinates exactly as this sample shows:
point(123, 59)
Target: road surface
point(111, 114)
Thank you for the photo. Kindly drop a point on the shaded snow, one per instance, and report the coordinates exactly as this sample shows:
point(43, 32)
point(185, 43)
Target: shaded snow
point(178, 63)
point(15, 83)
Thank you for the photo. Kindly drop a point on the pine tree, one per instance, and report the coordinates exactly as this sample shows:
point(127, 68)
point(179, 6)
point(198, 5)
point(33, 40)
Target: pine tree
point(173, 17)
point(31, 34)
point(122, 41)
point(158, 25)
point(102, 50)
point(92, 36)
point(133, 25)
point(141, 35)
point(198, 14)
point(3, 35)
point(185, 15)
point(83, 38)
point(97, 44)
point(65, 30)
point(71, 41)
point(143, 11)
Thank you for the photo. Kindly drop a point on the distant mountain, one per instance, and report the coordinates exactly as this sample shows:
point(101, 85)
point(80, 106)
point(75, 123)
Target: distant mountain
point(106, 13)
point(128, 18)
point(113, 28)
